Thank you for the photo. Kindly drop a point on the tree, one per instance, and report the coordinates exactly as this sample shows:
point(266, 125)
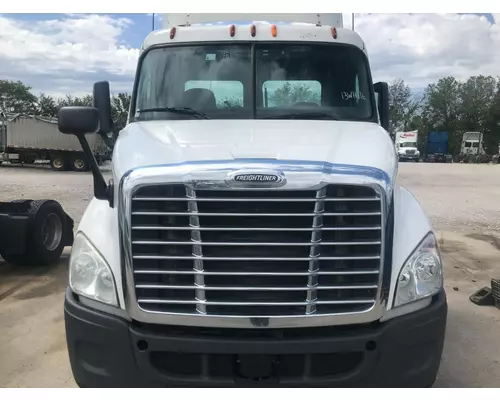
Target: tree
point(442, 109)
point(85, 100)
point(402, 107)
point(492, 125)
point(16, 97)
point(120, 105)
point(230, 102)
point(46, 106)
point(290, 94)
point(477, 95)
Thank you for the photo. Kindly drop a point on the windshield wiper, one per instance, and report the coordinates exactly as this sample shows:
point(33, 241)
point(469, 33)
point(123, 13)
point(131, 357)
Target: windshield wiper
point(176, 110)
point(303, 115)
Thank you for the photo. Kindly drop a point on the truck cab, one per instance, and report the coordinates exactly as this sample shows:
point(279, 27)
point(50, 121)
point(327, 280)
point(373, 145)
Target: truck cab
point(407, 146)
point(253, 232)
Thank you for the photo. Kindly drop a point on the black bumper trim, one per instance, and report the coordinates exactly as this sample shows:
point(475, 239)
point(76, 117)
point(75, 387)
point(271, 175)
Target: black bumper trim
point(106, 351)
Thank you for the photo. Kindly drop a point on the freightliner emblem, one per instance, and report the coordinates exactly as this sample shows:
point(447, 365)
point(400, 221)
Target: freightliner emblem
point(257, 178)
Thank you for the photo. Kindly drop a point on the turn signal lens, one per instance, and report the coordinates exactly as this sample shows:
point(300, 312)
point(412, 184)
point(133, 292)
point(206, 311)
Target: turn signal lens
point(334, 32)
point(274, 30)
point(253, 30)
point(232, 30)
point(172, 32)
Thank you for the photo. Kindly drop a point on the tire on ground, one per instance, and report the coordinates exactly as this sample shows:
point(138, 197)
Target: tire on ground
point(58, 162)
point(79, 163)
point(45, 236)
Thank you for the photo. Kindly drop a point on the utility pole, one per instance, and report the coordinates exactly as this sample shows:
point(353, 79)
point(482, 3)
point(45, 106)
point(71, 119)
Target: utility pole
point(153, 22)
point(352, 21)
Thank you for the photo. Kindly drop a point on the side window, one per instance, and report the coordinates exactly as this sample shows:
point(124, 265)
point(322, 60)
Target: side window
point(290, 93)
point(468, 144)
point(228, 94)
point(475, 144)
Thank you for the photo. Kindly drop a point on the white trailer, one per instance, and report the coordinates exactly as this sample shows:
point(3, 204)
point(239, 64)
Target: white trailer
point(27, 138)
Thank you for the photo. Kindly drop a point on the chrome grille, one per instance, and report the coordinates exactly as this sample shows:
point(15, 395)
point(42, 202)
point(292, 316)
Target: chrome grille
point(410, 152)
point(256, 252)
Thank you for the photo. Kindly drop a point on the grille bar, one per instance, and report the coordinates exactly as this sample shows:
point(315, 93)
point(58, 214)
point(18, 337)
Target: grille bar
point(318, 243)
point(241, 252)
point(262, 199)
point(252, 229)
point(250, 288)
point(324, 214)
point(234, 303)
point(285, 273)
point(197, 257)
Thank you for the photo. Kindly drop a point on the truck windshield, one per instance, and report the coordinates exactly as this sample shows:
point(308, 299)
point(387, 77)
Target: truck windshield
point(262, 81)
point(409, 144)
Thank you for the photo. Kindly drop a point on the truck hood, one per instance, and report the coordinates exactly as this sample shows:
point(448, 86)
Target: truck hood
point(173, 142)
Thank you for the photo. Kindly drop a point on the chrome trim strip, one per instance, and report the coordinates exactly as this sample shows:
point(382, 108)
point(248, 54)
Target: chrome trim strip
point(194, 222)
point(300, 175)
point(257, 288)
point(285, 273)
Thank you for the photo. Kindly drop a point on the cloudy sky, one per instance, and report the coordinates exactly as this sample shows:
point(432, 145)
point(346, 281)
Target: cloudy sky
point(65, 53)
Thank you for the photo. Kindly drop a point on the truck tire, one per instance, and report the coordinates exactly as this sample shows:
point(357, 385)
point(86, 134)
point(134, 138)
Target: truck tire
point(45, 236)
point(58, 162)
point(79, 163)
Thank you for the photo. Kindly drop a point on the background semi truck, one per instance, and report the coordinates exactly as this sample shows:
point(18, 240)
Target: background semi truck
point(437, 147)
point(26, 139)
point(407, 146)
point(244, 242)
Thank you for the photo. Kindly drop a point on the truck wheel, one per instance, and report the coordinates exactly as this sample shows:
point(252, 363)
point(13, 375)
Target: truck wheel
point(58, 163)
point(45, 236)
point(79, 164)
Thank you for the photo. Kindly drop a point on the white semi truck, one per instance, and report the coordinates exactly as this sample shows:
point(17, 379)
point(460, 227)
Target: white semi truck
point(407, 146)
point(245, 237)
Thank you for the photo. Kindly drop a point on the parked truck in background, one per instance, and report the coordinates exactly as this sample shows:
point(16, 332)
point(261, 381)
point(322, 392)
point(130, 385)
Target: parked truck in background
point(437, 147)
point(26, 139)
point(249, 243)
point(472, 144)
point(407, 146)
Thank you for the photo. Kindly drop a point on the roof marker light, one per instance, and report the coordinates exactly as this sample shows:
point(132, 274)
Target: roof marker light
point(172, 32)
point(274, 30)
point(334, 32)
point(232, 30)
point(253, 30)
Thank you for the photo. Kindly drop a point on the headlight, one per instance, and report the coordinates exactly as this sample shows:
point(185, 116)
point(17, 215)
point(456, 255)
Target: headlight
point(417, 153)
point(422, 274)
point(89, 274)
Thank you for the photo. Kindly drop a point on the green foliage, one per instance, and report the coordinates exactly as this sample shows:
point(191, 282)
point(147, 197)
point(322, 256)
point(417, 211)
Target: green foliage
point(120, 105)
point(402, 107)
point(289, 94)
point(16, 97)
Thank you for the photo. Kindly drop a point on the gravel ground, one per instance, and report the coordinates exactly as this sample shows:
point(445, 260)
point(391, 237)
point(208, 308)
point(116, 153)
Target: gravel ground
point(460, 200)
point(456, 197)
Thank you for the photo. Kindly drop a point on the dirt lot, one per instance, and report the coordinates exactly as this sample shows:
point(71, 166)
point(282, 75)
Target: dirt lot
point(461, 201)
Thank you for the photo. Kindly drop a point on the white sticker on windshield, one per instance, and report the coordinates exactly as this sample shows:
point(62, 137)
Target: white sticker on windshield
point(353, 95)
point(211, 57)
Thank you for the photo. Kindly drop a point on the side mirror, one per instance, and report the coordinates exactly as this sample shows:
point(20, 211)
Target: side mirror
point(382, 92)
point(102, 102)
point(79, 121)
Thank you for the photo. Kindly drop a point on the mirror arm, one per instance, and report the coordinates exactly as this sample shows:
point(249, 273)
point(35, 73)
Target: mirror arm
point(102, 191)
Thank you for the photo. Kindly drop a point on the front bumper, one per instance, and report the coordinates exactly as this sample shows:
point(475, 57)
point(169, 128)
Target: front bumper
point(107, 351)
point(408, 156)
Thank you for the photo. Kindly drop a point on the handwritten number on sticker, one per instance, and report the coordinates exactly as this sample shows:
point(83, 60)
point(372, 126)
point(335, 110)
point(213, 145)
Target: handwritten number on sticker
point(353, 95)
